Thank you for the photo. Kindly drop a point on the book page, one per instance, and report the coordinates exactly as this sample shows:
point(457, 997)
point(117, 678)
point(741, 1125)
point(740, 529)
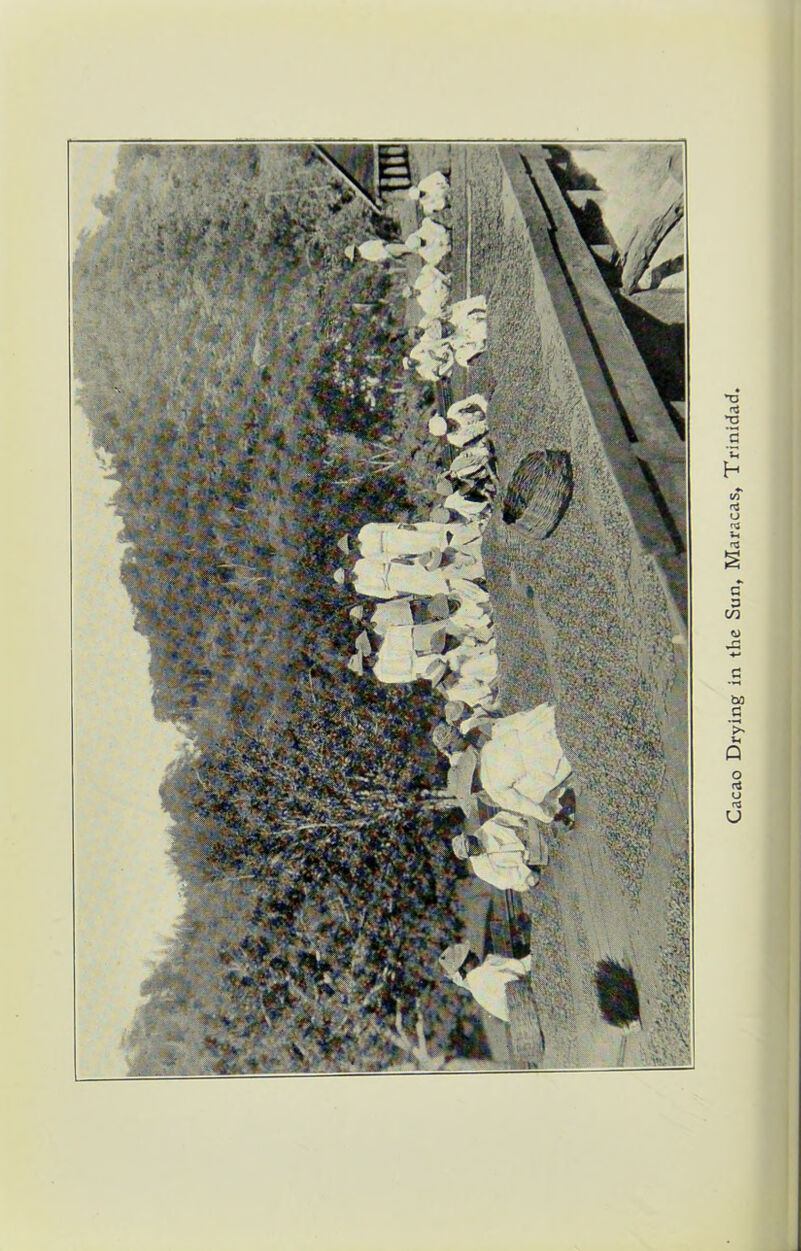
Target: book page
point(665, 1125)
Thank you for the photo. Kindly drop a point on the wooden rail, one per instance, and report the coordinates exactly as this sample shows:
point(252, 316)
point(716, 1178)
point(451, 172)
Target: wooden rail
point(645, 450)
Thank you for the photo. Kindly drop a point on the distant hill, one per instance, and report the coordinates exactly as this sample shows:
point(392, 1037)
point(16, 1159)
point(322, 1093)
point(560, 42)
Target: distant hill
point(203, 345)
point(244, 382)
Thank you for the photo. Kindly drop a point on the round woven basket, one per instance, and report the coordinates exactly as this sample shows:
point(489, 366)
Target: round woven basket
point(539, 492)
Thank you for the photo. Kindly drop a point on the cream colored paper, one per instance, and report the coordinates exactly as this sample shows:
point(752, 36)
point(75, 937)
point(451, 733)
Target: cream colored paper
point(695, 1159)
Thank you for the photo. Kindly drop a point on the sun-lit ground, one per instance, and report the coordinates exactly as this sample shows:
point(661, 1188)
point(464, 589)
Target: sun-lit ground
point(582, 621)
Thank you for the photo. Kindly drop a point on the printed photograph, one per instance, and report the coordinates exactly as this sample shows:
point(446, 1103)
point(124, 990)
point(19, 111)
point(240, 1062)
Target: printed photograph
point(380, 607)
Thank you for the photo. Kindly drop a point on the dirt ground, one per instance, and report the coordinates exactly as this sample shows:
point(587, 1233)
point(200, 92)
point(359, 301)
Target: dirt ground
point(582, 621)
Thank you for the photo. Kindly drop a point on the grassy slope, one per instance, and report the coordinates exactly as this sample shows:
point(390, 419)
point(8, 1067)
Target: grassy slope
point(289, 302)
point(284, 496)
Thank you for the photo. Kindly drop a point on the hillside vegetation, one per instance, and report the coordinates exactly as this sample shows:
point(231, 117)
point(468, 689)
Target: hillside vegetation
point(244, 383)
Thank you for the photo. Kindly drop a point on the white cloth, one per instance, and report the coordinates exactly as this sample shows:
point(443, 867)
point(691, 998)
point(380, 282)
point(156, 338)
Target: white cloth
point(432, 356)
point(498, 833)
point(472, 405)
point(428, 637)
point(433, 332)
point(467, 592)
point(503, 861)
point(431, 192)
point(524, 761)
point(431, 241)
point(467, 420)
point(398, 659)
point(458, 503)
point(471, 621)
point(431, 667)
point(395, 658)
point(433, 300)
point(487, 983)
point(431, 278)
point(393, 612)
point(467, 433)
point(468, 340)
point(464, 533)
point(432, 292)
point(474, 692)
point(470, 310)
point(427, 232)
point(428, 320)
point(377, 250)
point(472, 462)
point(467, 561)
point(505, 870)
point(474, 659)
point(370, 578)
point(415, 580)
point(437, 181)
point(482, 668)
point(436, 251)
point(380, 579)
point(392, 539)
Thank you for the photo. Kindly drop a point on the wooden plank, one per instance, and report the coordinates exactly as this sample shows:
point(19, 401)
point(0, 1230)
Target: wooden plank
point(644, 407)
point(580, 197)
point(526, 1040)
point(606, 410)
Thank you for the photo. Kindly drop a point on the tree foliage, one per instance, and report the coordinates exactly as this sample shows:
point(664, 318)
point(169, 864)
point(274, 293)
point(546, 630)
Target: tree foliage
point(339, 858)
point(213, 362)
point(243, 384)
